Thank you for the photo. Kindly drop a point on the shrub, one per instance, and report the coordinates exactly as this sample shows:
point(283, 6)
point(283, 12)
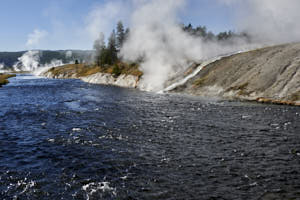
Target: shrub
point(116, 71)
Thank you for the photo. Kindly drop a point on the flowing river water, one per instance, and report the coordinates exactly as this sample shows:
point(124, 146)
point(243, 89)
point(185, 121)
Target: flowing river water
point(66, 139)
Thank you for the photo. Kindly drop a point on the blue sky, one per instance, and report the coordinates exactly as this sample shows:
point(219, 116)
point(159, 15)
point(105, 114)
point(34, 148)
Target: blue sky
point(62, 24)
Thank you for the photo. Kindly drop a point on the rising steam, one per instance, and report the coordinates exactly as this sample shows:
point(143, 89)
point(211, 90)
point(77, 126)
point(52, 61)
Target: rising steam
point(2, 68)
point(30, 62)
point(268, 21)
point(163, 46)
point(35, 38)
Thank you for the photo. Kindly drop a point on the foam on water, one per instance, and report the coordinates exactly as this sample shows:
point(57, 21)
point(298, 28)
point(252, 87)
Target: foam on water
point(93, 188)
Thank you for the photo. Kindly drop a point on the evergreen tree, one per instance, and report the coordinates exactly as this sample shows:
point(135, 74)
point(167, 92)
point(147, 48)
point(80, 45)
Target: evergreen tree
point(112, 56)
point(99, 46)
point(120, 35)
point(126, 34)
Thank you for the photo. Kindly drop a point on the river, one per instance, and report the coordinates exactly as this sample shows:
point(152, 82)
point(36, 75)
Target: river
point(66, 139)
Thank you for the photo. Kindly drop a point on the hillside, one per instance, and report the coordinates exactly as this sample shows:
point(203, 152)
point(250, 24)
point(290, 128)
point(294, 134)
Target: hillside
point(270, 74)
point(46, 56)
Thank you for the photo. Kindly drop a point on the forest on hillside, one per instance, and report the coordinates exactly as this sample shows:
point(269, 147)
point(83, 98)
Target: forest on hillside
point(8, 59)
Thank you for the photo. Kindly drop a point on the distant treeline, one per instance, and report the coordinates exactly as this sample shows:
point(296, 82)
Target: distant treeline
point(10, 58)
point(202, 32)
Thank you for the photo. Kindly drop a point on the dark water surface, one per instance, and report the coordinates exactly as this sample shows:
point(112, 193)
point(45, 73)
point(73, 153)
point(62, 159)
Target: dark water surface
point(65, 139)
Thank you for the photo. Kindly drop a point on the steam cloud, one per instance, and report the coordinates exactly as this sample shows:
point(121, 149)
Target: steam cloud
point(35, 38)
point(2, 69)
point(163, 45)
point(268, 21)
point(165, 48)
point(30, 61)
point(157, 38)
point(103, 17)
point(69, 54)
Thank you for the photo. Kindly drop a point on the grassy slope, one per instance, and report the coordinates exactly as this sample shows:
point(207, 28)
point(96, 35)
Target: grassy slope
point(4, 77)
point(81, 70)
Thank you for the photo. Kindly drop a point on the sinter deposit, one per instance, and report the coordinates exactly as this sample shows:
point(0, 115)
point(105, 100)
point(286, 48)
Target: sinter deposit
point(267, 75)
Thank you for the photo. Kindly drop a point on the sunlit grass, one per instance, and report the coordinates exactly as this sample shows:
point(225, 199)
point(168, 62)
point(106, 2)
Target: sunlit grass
point(4, 77)
point(82, 70)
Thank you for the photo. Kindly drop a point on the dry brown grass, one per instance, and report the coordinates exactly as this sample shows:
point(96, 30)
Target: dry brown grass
point(279, 102)
point(295, 96)
point(81, 70)
point(4, 77)
point(199, 82)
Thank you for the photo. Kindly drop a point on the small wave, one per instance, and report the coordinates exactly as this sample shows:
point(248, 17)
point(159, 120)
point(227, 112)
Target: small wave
point(93, 189)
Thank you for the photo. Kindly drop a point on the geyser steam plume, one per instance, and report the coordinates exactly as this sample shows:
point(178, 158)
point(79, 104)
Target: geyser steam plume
point(30, 61)
point(163, 46)
point(160, 42)
point(268, 21)
point(1, 66)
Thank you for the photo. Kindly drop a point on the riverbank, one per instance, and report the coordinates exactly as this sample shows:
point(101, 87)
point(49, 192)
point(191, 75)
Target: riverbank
point(121, 74)
point(266, 75)
point(4, 78)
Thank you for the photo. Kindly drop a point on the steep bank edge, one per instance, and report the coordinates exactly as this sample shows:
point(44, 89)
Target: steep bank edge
point(270, 75)
point(129, 81)
point(4, 78)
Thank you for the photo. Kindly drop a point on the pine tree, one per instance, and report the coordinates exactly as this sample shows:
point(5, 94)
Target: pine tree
point(126, 35)
point(100, 48)
point(112, 56)
point(120, 35)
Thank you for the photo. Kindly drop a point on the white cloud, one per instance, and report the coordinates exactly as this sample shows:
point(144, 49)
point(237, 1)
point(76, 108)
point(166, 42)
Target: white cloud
point(36, 37)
